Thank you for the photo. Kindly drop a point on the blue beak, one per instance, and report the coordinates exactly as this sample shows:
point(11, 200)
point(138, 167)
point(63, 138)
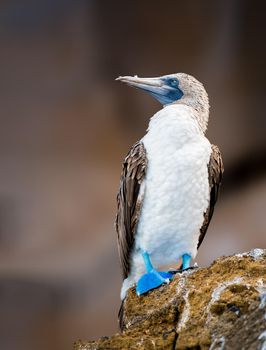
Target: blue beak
point(157, 87)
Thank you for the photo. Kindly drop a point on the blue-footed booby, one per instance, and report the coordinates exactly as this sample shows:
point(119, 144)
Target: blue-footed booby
point(169, 183)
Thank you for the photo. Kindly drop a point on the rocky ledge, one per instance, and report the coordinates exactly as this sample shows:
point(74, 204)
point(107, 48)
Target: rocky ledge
point(219, 307)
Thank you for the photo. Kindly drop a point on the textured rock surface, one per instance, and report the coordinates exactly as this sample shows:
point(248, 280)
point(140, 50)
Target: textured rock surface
point(219, 307)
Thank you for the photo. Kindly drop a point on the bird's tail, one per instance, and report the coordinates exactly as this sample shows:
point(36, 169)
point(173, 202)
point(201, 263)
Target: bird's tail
point(121, 316)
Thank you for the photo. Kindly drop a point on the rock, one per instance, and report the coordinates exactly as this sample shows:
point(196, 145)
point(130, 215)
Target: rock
point(219, 307)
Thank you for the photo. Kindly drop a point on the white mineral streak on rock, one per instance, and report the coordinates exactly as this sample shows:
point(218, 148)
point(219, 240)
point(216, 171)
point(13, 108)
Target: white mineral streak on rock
point(139, 343)
point(128, 324)
point(185, 313)
point(240, 255)
point(256, 253)
point(218, 344)
point(218, 291)
point(263, 337)
point(181, 289)
point(261, 288)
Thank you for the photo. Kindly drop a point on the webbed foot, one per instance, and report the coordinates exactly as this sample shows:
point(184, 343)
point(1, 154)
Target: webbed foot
point(152, 280)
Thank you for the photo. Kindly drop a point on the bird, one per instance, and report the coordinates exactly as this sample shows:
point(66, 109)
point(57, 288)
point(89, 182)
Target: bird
point(169, 184)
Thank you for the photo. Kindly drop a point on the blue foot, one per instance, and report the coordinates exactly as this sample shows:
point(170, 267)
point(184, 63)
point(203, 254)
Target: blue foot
point(151, 280)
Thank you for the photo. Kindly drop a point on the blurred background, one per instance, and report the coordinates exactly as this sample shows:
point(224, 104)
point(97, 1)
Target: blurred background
point(66, 126)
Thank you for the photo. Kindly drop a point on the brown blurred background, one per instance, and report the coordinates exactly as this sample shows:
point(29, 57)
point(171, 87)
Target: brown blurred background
point(66, 125)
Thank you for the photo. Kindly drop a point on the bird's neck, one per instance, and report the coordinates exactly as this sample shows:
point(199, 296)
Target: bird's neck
point(175, 121)
point(200, 107)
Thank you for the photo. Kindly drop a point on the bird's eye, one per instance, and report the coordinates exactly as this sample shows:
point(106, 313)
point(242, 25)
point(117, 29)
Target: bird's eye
point(173, 82)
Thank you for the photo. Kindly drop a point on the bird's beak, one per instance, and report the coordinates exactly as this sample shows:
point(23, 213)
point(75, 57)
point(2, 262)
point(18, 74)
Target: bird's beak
point(152, 85)
point(157, 87)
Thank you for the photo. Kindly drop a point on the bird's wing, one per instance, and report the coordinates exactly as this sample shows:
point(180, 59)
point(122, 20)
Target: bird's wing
point(129, 201)
point(215, 169)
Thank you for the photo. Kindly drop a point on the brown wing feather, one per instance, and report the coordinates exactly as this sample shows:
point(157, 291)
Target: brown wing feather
point(215, 169)
point(129, 202)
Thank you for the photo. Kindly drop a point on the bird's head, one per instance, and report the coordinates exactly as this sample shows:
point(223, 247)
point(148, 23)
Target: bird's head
point(179, 88)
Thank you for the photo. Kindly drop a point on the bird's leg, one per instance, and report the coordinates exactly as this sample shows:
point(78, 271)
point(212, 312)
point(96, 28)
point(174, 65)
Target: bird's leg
point(153, 278)
point(147, 262)
point(186, 258)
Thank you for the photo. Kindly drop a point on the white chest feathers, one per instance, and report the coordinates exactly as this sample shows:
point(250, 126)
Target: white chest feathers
point(176, 188)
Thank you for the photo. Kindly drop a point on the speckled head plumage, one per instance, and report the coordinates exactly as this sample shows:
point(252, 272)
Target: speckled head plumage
point(179, 88)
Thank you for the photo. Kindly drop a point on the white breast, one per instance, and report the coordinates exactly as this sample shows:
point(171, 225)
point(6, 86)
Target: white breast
point(176, 189)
